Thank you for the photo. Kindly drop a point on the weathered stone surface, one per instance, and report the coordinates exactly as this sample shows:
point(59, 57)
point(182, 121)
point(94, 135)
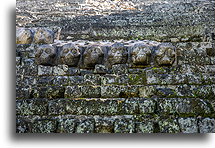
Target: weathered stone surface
point(117, 54)
point(120, 69)
point(60, 70)
point(22, 126)
point(100, 69)
point(207, 125)
point(66, 126)
point(124, 125)
point(104, 125)
point(93, 55)
point(113, 91)
point(24, 36)
point(169, 126)
point(46, 55)
point(86, 126)
point(188, 125)
point(72, 92)
point(48, 92)
point(165, 55)
point(44, 126)
point(43, 36)
point(140, 54)
point(31, 107)
point(70, 54)
point(145, 127)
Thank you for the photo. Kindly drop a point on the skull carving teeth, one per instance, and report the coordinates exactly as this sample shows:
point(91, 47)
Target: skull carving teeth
point(165, 55)
point(46, 55)
point(70, 55)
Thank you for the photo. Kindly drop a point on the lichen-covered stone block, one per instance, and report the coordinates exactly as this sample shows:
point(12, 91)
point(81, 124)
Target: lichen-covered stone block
point(22, 126)
point(66, 126)
point(31, 107)
point(57, 107)
point(104, 125)
point(76, 80)
point(43, 36)
point(113, 91)
point(45, 70)
point(93, 55)
point(147, 91)
point(146, 106)
point(24, 36)
point(117, 54)
point(207, 125)
point(29, 66)
point(188, 125)
point(60, 70)
point(44, 126)
point(145, 127)
point(92, 79)
point(137, 79)
point(91, 91)
point(100, 69)
point(86, 126)
point(109, 79)
point(73, 92)
point(120, 69)
point(70, 54)
point(140, 54)
point(169, 126)
point(124, 125)
point(165, 54)
point(46, 55)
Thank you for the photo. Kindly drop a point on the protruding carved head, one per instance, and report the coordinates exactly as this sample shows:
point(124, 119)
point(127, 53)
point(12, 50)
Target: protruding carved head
point(43, 36)
point(165, 54)
point(70, 54)
point(117, 54)
point(46, 55)
point(24, 36)
point(93, 55)
point(140, 54)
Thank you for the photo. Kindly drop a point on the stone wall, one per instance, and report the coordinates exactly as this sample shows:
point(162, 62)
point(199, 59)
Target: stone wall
point(90, 66)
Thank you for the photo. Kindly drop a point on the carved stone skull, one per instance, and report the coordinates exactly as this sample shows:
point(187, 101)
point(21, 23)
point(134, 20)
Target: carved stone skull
point(46, 55)
point(43, 36)
point(117, 54)
point(140, 54)
point(70, 54)
point(165, 55)
point(24, 36)
point(93, 55)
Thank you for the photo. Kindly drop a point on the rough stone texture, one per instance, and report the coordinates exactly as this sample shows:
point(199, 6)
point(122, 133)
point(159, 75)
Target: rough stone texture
point(115, 66)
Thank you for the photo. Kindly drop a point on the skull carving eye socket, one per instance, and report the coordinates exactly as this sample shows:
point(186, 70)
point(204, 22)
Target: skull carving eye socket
point(74, 51)
point(66, 50)
point(48, 50)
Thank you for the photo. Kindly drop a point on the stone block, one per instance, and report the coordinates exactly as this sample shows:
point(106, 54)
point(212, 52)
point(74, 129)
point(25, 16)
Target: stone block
point(60, 70)
point(91, 91)
point(145, 127)
point(188, 125)
point(66, 126)
point(85, 126)
point(44, 126)
point(104, 125)
point(207, 125)
point(120, 69)
point(169, 126)
point(24, 36)
point(124, 125)
point(45, 70)
point(43, 36)
point(137, 79)
point(92, 79)
point(31, 107)
point(73, 92)
point(113, 91)
point(100, 69)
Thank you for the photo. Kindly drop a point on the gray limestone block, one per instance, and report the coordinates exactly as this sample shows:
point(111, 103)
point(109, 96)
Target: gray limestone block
point(22, 93)
point(60, 80)
point(114, 79)
point(188, 125)
point(45, 70)
point(29, 66)
point(91, 91)
point(169, 126)
point(73, 71)
point(73, 92)
point(70, 54)
point(104, 125)
point(24, 36)
point(100, 69)
point(85, 126)
point(207, 125)
point(31, 107)
point(76, 80)
point(183, 105)
point(114, 91)
point(145, 126)
point(92, 79)
point(43, 36)
point(137, 79)
point(120, 69)
point(57, 107)
point(46, 55)
point(44, 126)
point(22, 126)
point(147, 91)
point(66, 126)
point(60, 70)
point(124, 125)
